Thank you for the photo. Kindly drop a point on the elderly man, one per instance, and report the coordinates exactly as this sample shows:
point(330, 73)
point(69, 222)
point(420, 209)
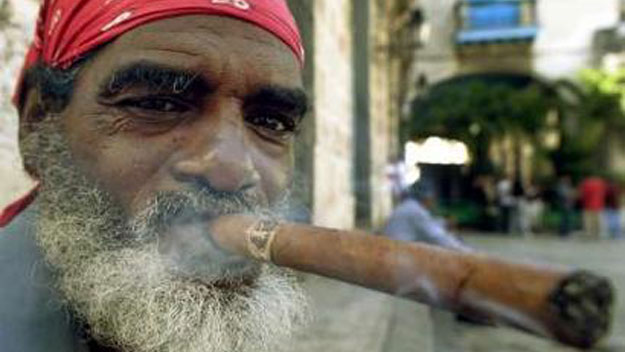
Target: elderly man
point(141, 120)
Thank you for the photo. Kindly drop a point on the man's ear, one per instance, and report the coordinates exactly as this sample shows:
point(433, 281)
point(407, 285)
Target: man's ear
point(31, 113)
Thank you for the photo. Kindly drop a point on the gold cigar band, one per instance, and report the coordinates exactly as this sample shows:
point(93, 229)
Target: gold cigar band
point(260, 237)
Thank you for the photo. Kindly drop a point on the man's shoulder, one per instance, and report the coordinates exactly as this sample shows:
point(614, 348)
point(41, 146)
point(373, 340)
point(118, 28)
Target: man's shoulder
point(413, 207)
point(17, 243)
point(32, 318)
point(13, 210)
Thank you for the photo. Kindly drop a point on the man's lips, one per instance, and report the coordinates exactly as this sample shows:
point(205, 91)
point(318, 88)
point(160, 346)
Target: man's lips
point(191, 252)
point(191, 218)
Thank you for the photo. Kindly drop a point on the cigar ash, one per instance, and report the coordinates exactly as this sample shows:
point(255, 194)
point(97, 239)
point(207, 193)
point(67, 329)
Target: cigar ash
point(583, 302)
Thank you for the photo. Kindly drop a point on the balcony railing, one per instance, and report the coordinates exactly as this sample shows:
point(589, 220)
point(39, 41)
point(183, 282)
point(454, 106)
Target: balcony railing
point(483, 21)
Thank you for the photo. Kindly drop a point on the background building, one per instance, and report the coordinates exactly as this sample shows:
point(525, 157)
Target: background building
point(519, 43)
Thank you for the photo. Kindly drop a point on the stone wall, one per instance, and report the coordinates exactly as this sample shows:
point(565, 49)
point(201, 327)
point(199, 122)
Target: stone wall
point(436, 60)
point(564, 43)
point(17, 18)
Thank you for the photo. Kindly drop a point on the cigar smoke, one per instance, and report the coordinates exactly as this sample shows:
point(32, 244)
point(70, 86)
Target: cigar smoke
point(177, 219)
point(408, 283)
point(155, 282)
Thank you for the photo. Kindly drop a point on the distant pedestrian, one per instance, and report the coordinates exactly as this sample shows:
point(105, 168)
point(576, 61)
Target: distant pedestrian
point(413, 221)
point(612, 210)
point(592, 193)
point(505, 202)
point(565, 201)
point(484, 195)
point(535, 208)
point(520, 220)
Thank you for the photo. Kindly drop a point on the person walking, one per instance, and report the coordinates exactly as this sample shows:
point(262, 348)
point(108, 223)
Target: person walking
point(611, 213)
point(592, 193)
point(565, 200)
point(505, 203)
point(520, 223)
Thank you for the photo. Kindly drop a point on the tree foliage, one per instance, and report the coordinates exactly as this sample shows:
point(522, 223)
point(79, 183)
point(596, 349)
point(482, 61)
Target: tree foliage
point(477, 113)
point(604, 99)
point(596, 118)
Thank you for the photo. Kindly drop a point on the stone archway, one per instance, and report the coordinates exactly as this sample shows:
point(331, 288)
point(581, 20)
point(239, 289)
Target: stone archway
point(508, 147)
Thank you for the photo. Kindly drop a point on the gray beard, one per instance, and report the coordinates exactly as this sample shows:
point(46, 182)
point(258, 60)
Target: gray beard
point(134, 295)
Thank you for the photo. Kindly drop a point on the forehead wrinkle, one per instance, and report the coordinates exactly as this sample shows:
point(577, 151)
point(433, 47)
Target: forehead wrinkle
point(190, 51)
point(256, 35)
point(213, 35)
point(212, 27)
point(170, 43)
point(216, 29)
point(168, 51)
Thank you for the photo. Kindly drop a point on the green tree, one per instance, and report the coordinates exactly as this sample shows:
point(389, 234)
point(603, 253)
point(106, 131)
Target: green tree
point(479, 113)
point(594, 120)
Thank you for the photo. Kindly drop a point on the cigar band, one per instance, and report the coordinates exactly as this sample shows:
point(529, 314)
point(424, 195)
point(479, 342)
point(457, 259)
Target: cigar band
point(260, 237)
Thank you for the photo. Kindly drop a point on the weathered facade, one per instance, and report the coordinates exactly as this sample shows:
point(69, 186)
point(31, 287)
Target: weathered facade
point(557, 49)
point(16, 27)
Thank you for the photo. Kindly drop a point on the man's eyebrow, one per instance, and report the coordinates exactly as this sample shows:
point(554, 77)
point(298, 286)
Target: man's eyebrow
point(294, 100)
point(155, 77)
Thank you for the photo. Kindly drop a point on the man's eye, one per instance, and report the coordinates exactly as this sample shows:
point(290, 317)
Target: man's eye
point(280, 124)
point(161, 105)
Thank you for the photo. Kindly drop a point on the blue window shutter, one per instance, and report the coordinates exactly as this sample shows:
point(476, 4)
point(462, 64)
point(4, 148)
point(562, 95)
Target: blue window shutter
point(493, 14)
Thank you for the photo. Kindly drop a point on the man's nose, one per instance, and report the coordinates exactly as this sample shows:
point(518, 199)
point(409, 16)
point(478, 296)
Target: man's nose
point(221, 162)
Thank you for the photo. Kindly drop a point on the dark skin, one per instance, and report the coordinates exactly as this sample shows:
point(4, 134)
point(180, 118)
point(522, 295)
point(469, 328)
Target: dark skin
point(185, 103)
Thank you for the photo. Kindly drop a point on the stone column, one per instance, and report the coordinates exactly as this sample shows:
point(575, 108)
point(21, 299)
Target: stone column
point(381, 132)
point(332, 195)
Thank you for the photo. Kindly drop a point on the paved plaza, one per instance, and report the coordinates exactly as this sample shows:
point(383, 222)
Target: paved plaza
point(349, 318)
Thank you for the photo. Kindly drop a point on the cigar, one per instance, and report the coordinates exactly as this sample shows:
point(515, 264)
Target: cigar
point(573, 307)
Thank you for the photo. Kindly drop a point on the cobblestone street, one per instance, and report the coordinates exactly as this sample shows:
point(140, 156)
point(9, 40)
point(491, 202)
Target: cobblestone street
point(349, 318)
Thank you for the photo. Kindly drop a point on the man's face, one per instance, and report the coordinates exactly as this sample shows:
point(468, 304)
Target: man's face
point(174, 122)
point(185, 104)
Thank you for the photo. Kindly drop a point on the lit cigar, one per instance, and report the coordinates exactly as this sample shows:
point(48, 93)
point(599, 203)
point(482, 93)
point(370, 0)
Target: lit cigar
point(573, 307)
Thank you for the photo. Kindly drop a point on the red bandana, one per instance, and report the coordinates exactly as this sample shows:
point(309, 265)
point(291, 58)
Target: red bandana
point(68, 29)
